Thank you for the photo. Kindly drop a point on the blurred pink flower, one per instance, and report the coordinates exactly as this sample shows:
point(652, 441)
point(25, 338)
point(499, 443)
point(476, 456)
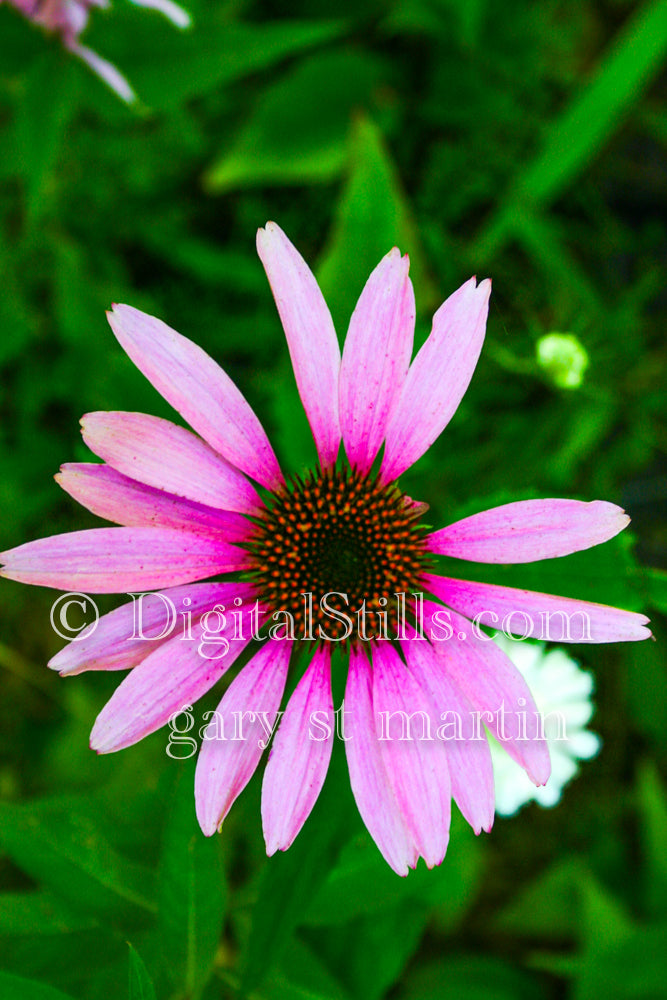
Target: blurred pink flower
point(189, 510)
point(68, 18)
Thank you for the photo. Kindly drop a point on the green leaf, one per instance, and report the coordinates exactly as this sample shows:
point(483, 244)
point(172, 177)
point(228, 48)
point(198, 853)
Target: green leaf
point(369, 954)
point(16, 988)
point(59, 845)
point(166, 67)
point(192, 893)
point(38, 913)
point(593, 115)
point(141, 985)
point(362, 883)
point(290, 878)
point(630, 969)
point(42, 118)
point(655, 586)
point(372, 216)
point(302, 976)
point(297, 132)
point(653, 828)
point(646, 688)
point(475, 976)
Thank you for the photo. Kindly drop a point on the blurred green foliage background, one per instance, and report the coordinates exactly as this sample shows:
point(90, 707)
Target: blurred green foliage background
point(522, 141)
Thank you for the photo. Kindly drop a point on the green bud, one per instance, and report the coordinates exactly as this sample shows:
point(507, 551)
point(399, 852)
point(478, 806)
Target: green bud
point(563, 358)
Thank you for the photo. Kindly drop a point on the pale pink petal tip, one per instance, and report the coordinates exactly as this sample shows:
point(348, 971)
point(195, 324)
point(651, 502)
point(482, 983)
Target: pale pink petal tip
point(227, 760)
point(376, 357)
point(300, 755)
point(437, 378)
point(529, 530)
point(200, 390)
point(105, 70)
point(171, 10)
point(310, 334)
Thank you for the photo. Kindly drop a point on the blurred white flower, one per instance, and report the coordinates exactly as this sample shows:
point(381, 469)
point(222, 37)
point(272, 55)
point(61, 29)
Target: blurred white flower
point(562, 694)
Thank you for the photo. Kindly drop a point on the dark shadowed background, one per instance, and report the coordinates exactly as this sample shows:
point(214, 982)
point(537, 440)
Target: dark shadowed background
point(522, 141)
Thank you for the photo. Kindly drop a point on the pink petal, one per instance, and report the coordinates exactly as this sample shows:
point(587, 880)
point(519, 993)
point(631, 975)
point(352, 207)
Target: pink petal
point(200, 390)
point(468, 755)
point(527, 613)
point(417, 766)
point(299, 756)
point(168, 681)
point(368, 777)
point(116, 497)
point(176, 14)
point(167, 457)
point(125, 636)
point(105, 70)
point(529, 530)
point(376, 356)
point(492, 684)
point(118, 560)
point(310, 334)
point(438, 378)
point(225, 766)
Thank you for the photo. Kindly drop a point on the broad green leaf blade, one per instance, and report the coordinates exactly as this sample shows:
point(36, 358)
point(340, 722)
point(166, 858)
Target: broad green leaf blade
point(292, 877)
point(574, 139)
point(41, 122)
point(630, 969)
point(370, 953)
point(59, 845)
point(655, 585)
point(362, 883)
point(474, 976)
point(372, 216)
point(18, 988)
point(39, 913)
point(192, 893)
point(653, 811)
point(302, 976)
point(166, 67)
point(141, 985)
point(298, 129)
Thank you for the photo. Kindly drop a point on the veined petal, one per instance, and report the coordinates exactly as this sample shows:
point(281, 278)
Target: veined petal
point(299, 756)
point(310, 334)
point(529, 614)
point(376, 356)
point(529, 530)
point(176, 14)
point(468, 754)
point(437, 379)
point(200, 390)
point(370, 784)
point(116, 497)
point(117, 560)
point(415, 760)
point(127, 635)
point(494, 687)
point(168, 457)
point(238, 733)
point(168, 681)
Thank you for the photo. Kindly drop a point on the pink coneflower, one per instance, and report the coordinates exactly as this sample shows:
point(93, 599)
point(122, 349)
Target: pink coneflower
point(68, 19)
point(194, 506)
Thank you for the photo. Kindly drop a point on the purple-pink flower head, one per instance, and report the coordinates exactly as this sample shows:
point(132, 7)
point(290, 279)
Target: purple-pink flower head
point(335, 558)
point(68, 18)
